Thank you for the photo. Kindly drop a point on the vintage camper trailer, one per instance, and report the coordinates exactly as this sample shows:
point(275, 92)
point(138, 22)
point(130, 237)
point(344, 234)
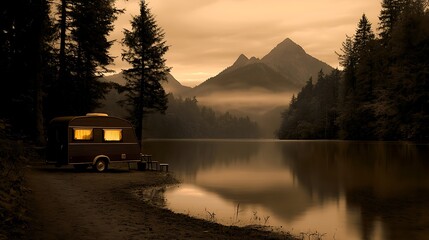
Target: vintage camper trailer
point(95, 140)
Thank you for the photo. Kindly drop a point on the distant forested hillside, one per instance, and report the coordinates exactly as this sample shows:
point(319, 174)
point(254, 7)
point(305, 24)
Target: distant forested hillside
point(382, 92)
point(313, 113)
point(184, 118)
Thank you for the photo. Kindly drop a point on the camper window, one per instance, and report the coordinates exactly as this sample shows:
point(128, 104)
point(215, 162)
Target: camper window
point(112, 135)
point(82, 134)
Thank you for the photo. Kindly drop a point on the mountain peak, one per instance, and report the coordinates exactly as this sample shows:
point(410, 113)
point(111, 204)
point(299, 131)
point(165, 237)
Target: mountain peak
point(292, 61)
point(289, 46)
point(241, 60)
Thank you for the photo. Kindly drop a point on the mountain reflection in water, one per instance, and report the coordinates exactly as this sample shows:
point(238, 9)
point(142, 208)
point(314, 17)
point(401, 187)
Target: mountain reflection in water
point(348, 190)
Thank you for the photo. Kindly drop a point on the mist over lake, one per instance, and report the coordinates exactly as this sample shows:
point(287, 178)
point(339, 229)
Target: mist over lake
point(345, 190)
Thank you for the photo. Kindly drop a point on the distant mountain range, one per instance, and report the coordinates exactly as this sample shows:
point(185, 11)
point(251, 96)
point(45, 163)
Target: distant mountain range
point(258, 88)
point(285, 68)
point(170, 86)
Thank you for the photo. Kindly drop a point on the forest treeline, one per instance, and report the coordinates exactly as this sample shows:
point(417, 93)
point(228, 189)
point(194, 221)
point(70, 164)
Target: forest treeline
point(54, 53)
point(184, 118)
point(382, 93)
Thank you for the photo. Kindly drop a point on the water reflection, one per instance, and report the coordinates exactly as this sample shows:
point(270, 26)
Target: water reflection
point(386, 181)
point(350, 190)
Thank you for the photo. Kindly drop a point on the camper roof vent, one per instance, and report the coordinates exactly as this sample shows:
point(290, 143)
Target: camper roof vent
point(97, 114)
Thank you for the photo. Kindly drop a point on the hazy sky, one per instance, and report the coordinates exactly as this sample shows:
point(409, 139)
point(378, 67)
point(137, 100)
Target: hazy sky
point(206, 36)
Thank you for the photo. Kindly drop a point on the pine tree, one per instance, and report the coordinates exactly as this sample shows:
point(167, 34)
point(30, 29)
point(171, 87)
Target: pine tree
point(24, 46)
point(389, 15)
point(358, 81)
point(364, 35)
point(145, 50)
point(348, 60)
point(364, 50)
point(42, 59)
point(410, 65)
point(83, 55)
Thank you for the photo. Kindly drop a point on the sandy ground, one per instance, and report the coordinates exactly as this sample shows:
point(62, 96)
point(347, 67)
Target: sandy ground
point(70, 204)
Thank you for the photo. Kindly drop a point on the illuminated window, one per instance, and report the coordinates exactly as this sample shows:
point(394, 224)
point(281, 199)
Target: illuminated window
point(112, 134)
point(82, 134)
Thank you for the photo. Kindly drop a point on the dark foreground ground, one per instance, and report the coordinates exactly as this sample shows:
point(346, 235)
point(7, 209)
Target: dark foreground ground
point(67, 204)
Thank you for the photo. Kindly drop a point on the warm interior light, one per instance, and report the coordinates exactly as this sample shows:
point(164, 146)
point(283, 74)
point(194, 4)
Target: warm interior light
point(112, 134)
point(82, 134)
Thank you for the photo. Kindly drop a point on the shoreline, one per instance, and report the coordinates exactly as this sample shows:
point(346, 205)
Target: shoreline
point(71, 200)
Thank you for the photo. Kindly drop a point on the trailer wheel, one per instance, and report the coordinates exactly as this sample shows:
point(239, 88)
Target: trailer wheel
point(100, 165)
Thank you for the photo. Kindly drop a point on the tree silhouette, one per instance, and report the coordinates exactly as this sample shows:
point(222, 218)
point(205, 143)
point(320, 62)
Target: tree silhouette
point(83, 55)
point(145, 47)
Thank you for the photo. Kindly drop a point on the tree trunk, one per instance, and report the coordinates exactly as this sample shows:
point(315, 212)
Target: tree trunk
point(140, 112)
point(40, 130)
point(38, 98)
point(63, 39)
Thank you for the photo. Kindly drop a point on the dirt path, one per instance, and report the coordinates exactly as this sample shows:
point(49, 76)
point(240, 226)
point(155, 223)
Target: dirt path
point(67, 204)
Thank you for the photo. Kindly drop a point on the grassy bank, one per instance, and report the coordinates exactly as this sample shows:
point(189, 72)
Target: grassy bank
point(13, 210)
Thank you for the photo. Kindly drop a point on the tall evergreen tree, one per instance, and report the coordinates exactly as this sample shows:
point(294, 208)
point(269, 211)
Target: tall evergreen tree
point(363, 43)
point(145, 50)
point(389, 15)
point(43, 52)
point(24, 41)
point(348, 61)
point(410, 65)
point(83, 56)
point(363, 37)
point(357, 86)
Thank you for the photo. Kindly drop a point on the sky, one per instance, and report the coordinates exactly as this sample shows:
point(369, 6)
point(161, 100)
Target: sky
point(207, 36)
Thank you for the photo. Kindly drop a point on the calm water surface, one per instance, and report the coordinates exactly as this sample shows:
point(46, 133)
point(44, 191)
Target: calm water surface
point(345, 190)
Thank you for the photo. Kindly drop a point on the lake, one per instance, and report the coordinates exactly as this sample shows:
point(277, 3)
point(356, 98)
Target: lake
point(338, 189)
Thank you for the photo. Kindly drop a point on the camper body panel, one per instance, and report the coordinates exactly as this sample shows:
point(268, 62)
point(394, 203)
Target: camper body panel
point(84, 139)
point(88, 152)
